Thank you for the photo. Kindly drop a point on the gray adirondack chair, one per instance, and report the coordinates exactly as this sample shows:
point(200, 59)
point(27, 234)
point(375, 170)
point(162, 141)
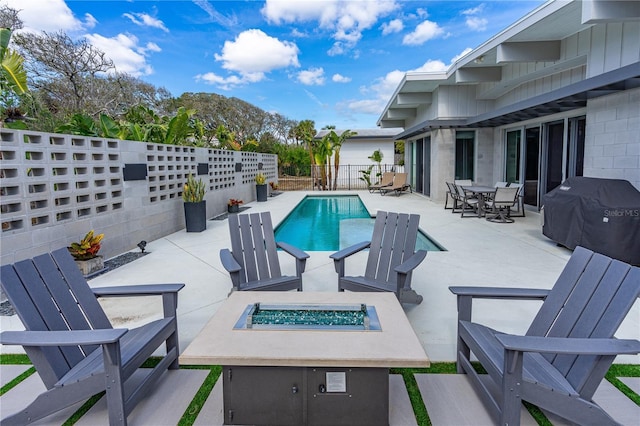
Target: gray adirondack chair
point(568, 348)
point(392, 258)
point(253, 261)
point(71, 342)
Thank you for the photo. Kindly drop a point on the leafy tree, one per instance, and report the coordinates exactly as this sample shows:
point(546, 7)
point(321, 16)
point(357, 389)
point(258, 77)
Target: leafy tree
point(65, 70)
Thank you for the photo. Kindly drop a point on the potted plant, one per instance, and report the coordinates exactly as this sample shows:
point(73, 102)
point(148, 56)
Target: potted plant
point(233, 206)
point(261, 187)
point(195, 207)
point(274, 188)
point(85, 253)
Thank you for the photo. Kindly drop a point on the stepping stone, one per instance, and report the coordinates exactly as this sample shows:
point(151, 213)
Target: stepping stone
point(9, 372)
point(451, 400)
point(25, 393)
point(632, 382)
point(614, 402)
point(163, 405)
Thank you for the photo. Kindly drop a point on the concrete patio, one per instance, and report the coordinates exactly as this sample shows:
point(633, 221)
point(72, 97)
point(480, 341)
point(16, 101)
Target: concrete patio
point(477, 253)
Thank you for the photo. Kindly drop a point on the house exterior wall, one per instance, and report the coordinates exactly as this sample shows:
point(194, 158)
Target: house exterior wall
point(612, 144)
point(357, 151)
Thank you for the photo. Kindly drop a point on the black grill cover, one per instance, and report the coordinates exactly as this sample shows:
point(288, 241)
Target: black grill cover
point(599, 214)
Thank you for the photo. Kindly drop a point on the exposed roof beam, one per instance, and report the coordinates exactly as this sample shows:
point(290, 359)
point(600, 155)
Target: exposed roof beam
point(403, 113)
point(603, 11)
point(414, 98)
point(385, 124)
point(478, 74)
point(528, 51)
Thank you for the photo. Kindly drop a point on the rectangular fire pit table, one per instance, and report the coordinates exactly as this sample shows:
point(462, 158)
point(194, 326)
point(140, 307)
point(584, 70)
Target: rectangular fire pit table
point(306, 375)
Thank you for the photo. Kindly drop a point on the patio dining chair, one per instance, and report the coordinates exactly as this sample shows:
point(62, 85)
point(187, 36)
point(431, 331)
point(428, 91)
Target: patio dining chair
point(253, 262)
point(385, 181)
point(500, 204)
point(72, 344)
point(452, 192)
point(519, 207)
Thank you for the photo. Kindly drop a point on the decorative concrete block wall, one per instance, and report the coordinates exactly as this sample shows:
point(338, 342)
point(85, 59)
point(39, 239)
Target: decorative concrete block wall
point(55, 188)
point(612, 144)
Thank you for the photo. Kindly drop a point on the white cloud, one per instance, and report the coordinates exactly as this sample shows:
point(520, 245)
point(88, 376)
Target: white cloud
point(126, 53)
point(253, 51)
point(383, 88)
point(146, 20)
point(338, 78)
point(476, 23)
point(89, 21)
point(252, 54)
point(462, 54)
point(474, 10)
point(346, 19)
point(367, 106)
point(224, 83)
point(424, 32)
point(394, 26)
point(311, 77)
point(46, 15)
point(215, 16)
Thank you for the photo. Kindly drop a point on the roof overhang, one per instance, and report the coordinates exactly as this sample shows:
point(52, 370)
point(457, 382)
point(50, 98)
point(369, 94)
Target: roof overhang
point(564, 99)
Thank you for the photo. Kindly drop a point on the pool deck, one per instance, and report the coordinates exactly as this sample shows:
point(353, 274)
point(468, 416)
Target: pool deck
point(478, 253)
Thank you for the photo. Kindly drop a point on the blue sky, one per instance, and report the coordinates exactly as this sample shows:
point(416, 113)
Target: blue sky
point(336, 62)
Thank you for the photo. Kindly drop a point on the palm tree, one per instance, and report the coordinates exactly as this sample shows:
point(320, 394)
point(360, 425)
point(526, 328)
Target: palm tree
point(335, 142)
point(376, 157)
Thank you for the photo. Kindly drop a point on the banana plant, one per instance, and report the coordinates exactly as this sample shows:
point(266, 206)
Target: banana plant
point(12, 75)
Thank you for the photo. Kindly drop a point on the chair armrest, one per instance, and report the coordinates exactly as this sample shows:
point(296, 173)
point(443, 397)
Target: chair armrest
point(467, 294)
point(500, 292)
point(339, 255)
point(137, 290)
point(228, 262)
point(62, 337)
point(411, 263)
point(300, 255)
point(292, 250)
point(569, 345)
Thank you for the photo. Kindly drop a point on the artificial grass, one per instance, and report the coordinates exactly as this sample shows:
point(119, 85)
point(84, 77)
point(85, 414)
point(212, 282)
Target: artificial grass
point(419, 409)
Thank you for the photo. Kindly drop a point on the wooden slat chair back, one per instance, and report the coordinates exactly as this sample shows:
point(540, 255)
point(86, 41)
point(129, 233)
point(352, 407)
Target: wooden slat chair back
point(48, 298)
point(393, 242)
point(590, 300)
point(253, 260)
point(568, 348)
point(391, 260)
point(71, 342)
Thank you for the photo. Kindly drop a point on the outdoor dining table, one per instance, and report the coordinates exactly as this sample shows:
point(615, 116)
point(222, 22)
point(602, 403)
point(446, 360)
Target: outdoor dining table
point(481, 192)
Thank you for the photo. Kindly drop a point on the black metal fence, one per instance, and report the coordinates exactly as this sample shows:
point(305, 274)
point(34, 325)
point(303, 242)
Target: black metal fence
point(347, 177)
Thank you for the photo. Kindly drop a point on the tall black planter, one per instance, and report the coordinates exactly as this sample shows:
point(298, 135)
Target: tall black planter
point(195, 216)
point(261, 192)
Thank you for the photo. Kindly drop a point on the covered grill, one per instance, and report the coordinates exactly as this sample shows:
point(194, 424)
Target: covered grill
point(599, 214)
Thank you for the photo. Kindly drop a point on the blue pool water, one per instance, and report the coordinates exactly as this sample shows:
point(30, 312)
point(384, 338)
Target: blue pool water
point(330, 223)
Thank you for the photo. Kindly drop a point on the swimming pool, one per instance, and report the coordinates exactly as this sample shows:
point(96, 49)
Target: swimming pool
point(330, 223)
